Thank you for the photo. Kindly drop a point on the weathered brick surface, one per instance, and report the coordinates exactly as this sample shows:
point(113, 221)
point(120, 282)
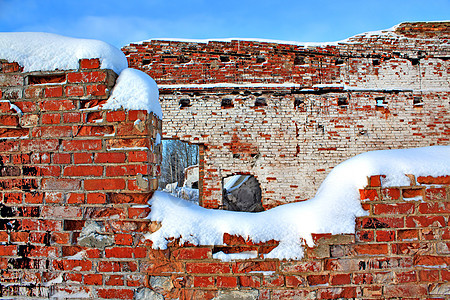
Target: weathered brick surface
point(60, 176)
point(326, 113)
point(72, 213)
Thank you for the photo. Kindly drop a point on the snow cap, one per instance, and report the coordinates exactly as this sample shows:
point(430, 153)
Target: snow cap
point(135, 90)
point(39, 51)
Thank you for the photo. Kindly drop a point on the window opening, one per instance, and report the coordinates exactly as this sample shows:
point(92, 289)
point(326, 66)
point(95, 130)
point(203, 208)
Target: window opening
point(180, 170)
point(418, 101)
point(241, 193)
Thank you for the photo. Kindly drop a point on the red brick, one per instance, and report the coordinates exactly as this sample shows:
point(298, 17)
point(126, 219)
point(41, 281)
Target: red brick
point(61, 212)
point(51, 118)
point(61, 158)
point(83, 158)
point(295, 281)
point(19, 237)
point(425, 221)
point(208, 268)
point(60, 237)
point(8, 250)
point(110, 157)
point(81, 145)
point(123, 239)
point(116, 116)
point(435, 194)
point(93, 63)
point(405, 290)
point(73, 277)
point(226, 282)
point(407, 276)
point(385, 235)
point(371, 195)
point(434, 208)
point(412, 193)
point(34, 197)
point(203, 281)
point(340, 279)
point(104, 184)
point(96, 198)
point(375, 181)
point(84, 171)
point(138, 212)
point(56, 105)
point(317, 279)
point(119, 252)
point(137, 156)
point(71, 117)
point(53, 91)
point(431, 261)
point(192, 253)
point(390, 194)
point(365, 235)
point(84, 130)
point(74, 91)
point(245, 267)
point(8, 120)
point(337, 292)
point(393, 209)
point(114, 280)
point(61, 184)
point(380, 222)
point(115, 293)
point(126, 170)
point(429, 275)
point(434, 180)
point(250, 281)
point(96, 90)
point(86, 76)
point(407, 235)
point(68, 265)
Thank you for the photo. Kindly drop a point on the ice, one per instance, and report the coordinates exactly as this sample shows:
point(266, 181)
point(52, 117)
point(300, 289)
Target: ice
point(333, 209)
point(135, 90)
point(39, 51)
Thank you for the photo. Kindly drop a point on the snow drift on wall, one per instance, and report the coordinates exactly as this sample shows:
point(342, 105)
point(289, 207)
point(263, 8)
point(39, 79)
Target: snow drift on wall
point(332, 210)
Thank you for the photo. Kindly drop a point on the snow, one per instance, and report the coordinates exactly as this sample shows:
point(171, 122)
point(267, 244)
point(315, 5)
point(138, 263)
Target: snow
point(235, 256)
point(332, 210)
point(135, 90)
point(39, 51)
point(13, 107)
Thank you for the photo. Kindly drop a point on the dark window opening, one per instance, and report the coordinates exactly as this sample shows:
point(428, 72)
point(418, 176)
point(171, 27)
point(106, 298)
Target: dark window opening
point(343, 102)
point(418, 101)
point(241, 193)
point(376, 62)
point(43, 79)
point(260, 101)
point(146, 62)
point(260, 59)
point(224, 58)
point(299, 60)
point(185, 102)
point(227, 103)
point(339, 61)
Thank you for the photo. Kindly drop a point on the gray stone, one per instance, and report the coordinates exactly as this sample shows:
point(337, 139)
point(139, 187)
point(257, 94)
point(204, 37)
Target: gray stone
point(148, 294)
point(91, 236)
point(237, 295)
point(161, 283)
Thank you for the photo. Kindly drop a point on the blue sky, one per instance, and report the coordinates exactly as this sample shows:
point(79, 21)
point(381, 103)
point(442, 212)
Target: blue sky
point(121, 22)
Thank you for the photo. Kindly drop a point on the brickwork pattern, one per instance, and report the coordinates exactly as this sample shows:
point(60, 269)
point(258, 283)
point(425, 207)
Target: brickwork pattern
point(377, 91)
point(74, 183)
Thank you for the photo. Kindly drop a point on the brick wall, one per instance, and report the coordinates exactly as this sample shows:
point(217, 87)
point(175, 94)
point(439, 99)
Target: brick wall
point(73, 177)
point(320, 103)
point(400, 250)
